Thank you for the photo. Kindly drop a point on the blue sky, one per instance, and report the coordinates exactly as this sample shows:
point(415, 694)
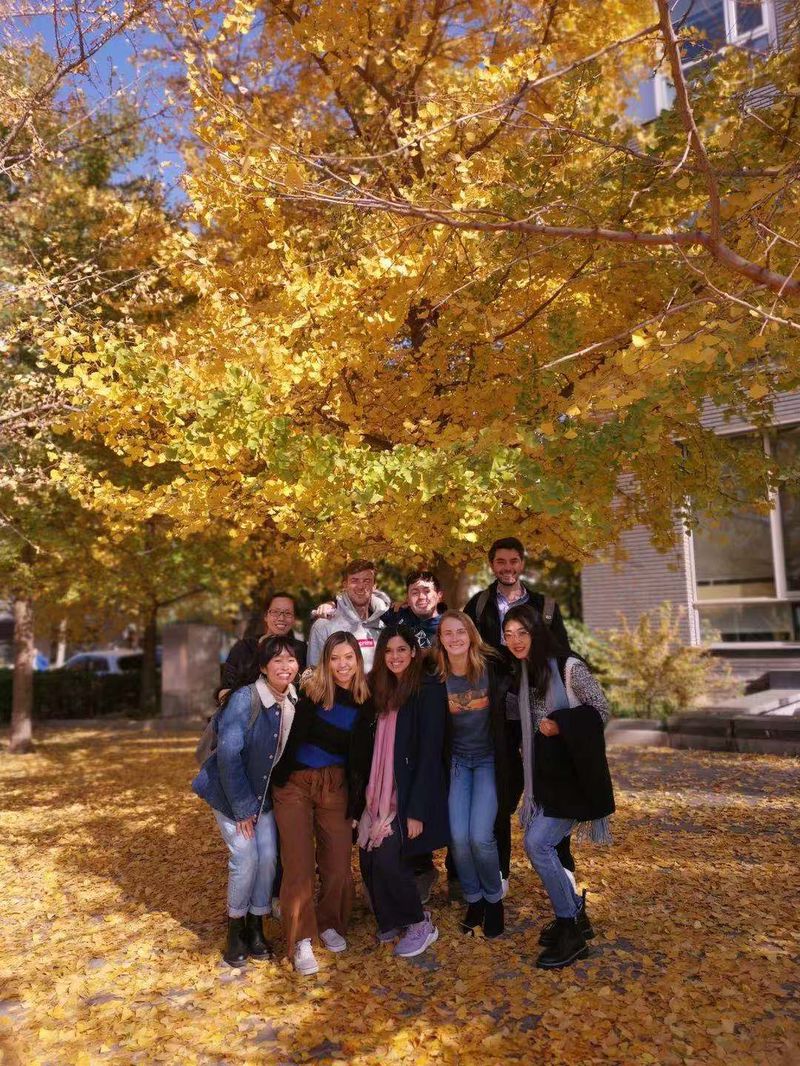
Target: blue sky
point(124, 64)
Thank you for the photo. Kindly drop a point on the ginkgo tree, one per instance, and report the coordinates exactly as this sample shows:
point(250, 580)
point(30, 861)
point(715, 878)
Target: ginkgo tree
point(440, 286)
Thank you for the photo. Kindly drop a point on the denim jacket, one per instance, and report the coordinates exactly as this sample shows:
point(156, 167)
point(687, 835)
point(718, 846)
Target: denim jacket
point(234, 779)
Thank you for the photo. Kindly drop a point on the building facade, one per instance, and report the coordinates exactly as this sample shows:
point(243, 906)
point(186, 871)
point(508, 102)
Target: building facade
point(739, 582)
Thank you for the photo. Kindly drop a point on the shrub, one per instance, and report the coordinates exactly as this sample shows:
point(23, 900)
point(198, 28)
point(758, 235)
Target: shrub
point(649, 672)
point(584, 643)
point(76, 694)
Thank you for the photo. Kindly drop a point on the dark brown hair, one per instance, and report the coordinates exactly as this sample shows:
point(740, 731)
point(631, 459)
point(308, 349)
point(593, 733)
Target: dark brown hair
point(509, 544)
point(357, 566)
point(388, 690)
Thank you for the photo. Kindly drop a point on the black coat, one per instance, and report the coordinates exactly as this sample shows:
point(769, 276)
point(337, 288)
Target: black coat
point(241, 666)
point(489, 623)
point(350, 744)
point(418, 769)
point(571, 778)
point(500, 679)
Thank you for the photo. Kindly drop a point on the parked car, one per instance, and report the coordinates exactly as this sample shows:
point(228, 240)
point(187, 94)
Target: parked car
point(105, 661)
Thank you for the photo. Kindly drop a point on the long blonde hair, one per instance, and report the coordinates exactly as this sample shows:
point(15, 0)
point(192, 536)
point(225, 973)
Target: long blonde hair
point(478, 655)
point(320, 686)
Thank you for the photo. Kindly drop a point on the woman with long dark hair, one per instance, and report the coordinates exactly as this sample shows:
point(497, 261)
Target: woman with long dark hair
point(403, 812)
point(476, 746)
point(311, 795)
point(252, 733)
point(563, 712)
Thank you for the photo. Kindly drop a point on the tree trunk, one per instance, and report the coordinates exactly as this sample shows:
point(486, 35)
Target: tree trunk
point(454, 582)
point(57, 660)
point(148, 696)
point(20, 740)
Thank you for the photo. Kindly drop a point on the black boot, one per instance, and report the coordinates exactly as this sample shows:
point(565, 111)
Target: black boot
point(569, 946)
point(235, 953)
point(494, 920)
point(473, 916)
point(257, 947)
point(548, 935)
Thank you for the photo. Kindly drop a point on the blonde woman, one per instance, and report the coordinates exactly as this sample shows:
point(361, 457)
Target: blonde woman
point(311, 790)
point(476, 688)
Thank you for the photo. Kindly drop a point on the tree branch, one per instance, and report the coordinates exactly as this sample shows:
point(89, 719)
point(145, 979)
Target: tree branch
point(683, 103)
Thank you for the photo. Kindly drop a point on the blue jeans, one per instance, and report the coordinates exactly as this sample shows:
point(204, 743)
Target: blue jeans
point(472, 805)
point(542, 837)
point(251, 865)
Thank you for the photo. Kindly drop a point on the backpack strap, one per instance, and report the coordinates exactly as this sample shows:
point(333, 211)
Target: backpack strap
point(480, 606)
point(255, 706)
point(548, 610)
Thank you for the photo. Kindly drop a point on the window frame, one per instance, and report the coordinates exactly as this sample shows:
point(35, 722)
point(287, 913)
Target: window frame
point(664, 94)
point(782, 595)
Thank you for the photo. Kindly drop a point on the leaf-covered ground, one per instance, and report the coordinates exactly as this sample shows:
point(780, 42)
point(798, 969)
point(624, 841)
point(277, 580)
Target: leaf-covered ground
point(112, 878)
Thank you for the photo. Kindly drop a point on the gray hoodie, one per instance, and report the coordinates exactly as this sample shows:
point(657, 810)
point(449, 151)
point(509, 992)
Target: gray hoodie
point(365, 630)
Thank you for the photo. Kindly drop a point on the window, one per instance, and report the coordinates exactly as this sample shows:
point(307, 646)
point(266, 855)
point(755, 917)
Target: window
point(787, 452)
point(744, 23)
point(747, 566)
point(733, 558)
point(720, 22)
point(747, 622)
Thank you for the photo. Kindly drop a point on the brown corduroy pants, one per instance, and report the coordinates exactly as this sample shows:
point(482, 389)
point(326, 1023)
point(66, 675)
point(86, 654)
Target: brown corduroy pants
point(315, 833)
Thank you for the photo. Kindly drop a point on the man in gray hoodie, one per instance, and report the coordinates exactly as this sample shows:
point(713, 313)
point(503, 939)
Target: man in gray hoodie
point(359, 610)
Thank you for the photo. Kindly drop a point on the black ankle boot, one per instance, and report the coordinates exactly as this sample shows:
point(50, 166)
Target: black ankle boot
point(473, 916)
point(548, 935)
point(235, 953)
point(494, 920)
point(569, 946)
point(257, 947)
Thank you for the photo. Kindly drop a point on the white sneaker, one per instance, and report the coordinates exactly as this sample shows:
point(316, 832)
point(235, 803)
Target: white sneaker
point(504, 887)
point(276, 908)
point(304, 961)
point(332, 941)
point(574, 883)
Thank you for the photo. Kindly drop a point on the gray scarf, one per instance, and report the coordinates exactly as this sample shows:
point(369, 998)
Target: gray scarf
point(556, 698)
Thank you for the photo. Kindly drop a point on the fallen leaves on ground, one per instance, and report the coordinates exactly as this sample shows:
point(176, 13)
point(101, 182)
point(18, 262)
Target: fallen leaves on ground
point(113, 880)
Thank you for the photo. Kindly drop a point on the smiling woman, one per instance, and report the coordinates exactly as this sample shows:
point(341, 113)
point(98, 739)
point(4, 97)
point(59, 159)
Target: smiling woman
point(252, 731)
point(312, 788)
point(476, 739)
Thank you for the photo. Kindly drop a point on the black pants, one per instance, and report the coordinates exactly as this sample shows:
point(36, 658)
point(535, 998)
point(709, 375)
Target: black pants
point(421, 864)
point(516, 786)
point(390, 882)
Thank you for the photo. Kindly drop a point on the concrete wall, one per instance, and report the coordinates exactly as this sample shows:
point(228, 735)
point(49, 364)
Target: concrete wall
point(189, 669)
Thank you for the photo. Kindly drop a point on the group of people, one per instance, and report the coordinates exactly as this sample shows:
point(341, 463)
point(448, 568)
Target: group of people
point(416, 728)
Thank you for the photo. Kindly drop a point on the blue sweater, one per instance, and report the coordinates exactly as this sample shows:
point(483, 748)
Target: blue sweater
point(313, 753)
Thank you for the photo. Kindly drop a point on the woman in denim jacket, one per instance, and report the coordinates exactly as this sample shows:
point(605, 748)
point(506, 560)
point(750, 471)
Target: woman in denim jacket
point(235, 780)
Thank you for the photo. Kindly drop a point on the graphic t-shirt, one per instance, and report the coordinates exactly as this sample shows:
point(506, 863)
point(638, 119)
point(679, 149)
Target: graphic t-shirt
point(469, 708)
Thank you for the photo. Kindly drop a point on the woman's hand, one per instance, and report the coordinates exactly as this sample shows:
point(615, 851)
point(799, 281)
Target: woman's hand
point(548, 727)
point(247, 827)
point(415, 828)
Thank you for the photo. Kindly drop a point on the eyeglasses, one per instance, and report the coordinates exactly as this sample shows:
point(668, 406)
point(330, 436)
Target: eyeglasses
point(280, 614)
